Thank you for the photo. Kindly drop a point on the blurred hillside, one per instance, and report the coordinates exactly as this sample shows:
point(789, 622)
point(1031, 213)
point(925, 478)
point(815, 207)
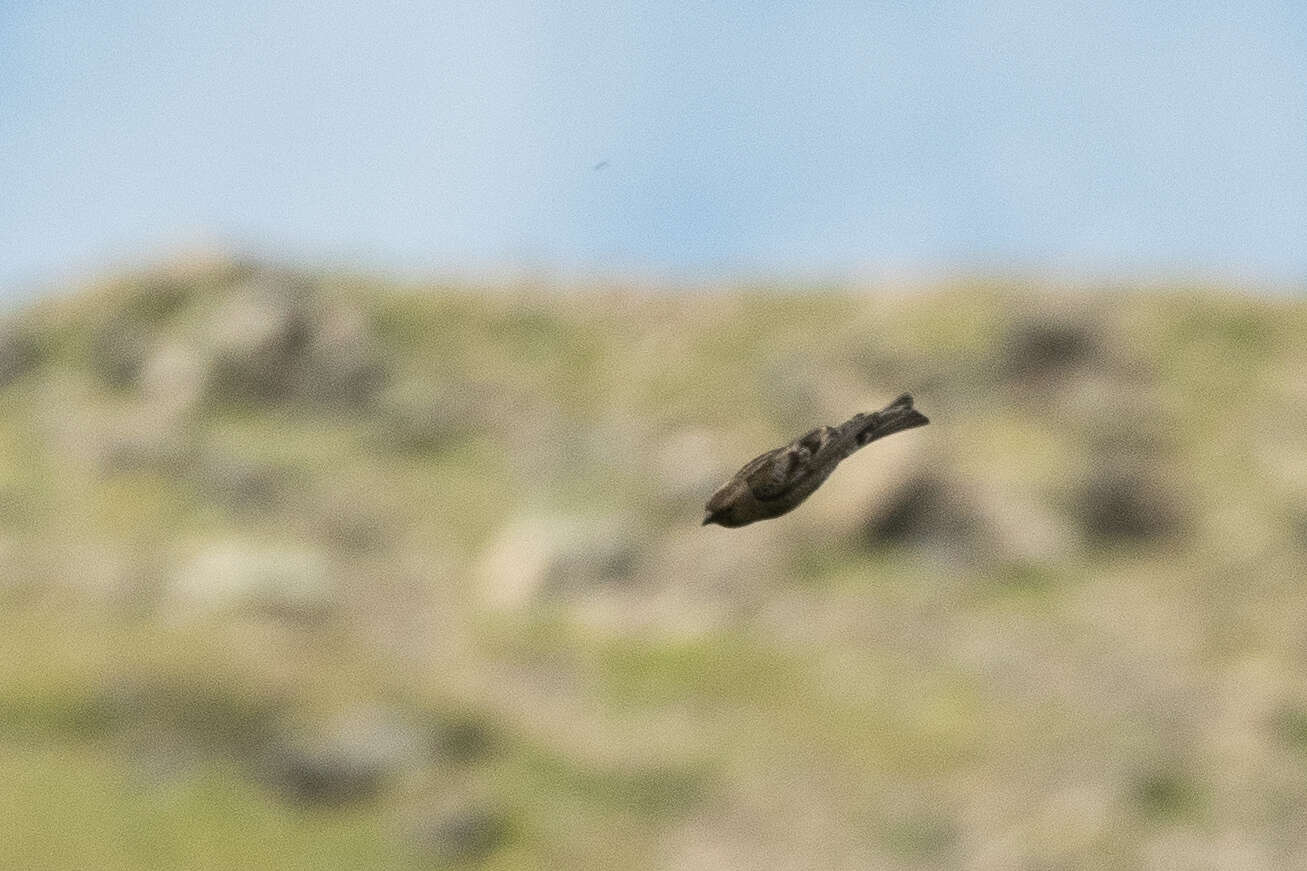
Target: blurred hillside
point(311, 571)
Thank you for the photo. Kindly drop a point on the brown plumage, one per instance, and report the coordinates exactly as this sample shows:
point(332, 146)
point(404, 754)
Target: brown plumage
point(776, 482)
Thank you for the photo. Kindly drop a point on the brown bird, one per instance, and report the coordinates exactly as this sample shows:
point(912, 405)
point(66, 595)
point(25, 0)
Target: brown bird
point(779, 480)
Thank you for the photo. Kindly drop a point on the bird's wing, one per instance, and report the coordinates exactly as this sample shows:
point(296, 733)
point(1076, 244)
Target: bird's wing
point(771, 475)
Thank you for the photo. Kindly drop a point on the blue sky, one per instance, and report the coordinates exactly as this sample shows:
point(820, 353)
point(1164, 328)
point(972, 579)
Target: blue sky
point(740, 137)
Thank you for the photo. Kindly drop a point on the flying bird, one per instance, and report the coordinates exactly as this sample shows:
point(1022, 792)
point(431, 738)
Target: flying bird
point(779, 480)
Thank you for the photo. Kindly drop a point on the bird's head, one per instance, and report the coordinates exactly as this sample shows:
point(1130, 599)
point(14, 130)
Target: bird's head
point(721, 507)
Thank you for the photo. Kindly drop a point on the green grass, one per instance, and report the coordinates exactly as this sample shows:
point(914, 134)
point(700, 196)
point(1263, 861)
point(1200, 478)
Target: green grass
point(80, 806)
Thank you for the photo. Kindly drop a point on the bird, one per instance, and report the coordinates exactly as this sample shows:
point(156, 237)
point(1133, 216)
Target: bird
point(778, 481)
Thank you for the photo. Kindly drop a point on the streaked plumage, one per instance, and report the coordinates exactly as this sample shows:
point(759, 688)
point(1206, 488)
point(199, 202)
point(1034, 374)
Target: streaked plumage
point(779, 480)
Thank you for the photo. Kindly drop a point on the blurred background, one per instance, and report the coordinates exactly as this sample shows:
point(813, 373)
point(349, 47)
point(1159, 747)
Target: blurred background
point(364, 371)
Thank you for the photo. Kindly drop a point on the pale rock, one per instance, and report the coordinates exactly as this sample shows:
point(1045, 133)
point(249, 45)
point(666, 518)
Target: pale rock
point(234, 575)
point(554, 554)
point(348, 758)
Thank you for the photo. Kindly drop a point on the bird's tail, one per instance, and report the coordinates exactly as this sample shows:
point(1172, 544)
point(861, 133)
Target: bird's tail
point(899, 415)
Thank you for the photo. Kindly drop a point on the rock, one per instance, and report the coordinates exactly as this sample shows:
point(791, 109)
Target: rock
point(1023, 529)
point(172, 379)
point(1049, 349)
point(272, 340)
point(921, 509)
point(688, 583)
point(463, 834)
point(1124, 505)
point(348, 759)
point(257, 336)
point(555, 554)
point(234, 575)
point(320, 777)
point(20, 351)
point(1118, 418)
point(937, 509)
point(339, 366)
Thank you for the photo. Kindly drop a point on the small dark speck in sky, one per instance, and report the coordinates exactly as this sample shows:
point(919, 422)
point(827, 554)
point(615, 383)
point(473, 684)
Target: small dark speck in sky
point(600, 165)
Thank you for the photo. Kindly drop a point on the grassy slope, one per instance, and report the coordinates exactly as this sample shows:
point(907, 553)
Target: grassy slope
point(1002, 679)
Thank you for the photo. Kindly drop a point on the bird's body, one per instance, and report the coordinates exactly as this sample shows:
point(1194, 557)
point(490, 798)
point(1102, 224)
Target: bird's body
point(779, 480)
